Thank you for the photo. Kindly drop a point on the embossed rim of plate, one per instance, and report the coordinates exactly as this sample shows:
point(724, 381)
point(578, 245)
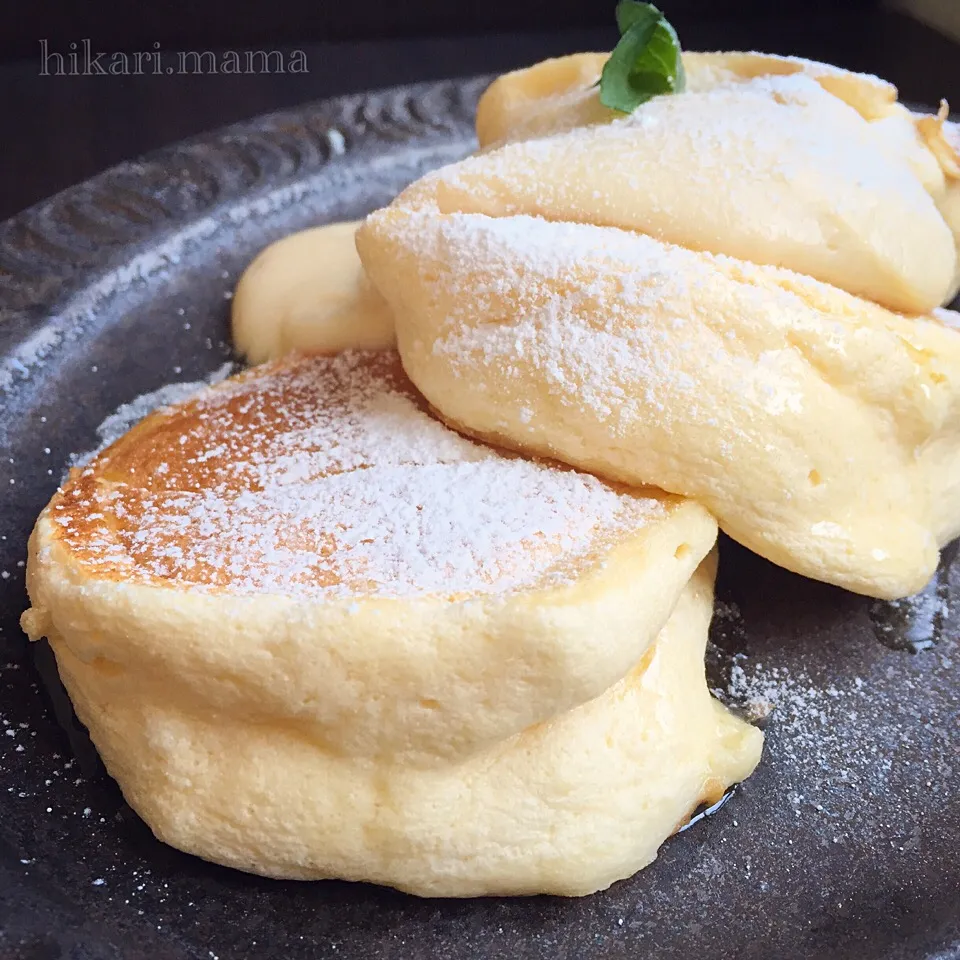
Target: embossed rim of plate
point(49, 251)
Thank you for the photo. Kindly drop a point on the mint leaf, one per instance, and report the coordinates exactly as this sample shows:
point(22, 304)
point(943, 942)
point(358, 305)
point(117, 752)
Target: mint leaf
point(631, 12)
point(645, 63)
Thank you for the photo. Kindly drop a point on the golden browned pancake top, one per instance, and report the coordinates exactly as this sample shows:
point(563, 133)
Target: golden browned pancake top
point(327, 477)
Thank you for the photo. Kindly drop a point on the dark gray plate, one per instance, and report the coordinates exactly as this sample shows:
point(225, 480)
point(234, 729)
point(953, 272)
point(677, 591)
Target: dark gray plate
point(845, 843)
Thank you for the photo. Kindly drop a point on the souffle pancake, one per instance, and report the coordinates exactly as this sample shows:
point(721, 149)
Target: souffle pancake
point(315, 633)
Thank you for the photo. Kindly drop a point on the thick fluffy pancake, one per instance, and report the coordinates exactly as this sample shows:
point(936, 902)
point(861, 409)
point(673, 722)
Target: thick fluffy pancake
point(564, 807)
point(561, 93)
point(314, 633)
point(306, 545)
point(774, 160)
point(821, 429)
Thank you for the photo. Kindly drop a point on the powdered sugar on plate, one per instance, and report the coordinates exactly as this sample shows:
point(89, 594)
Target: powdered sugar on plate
point(826, 738)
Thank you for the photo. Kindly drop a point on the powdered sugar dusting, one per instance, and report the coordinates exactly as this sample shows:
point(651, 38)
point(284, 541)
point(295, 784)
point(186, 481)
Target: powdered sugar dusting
point(827, 740)
point(125, 416)
point(554, 327)
point(325, 477)
point(811, 726)
point(613, 323)
point(777, 140)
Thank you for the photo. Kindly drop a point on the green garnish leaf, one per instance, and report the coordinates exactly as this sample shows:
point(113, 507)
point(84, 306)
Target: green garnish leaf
point(645, 63)
point(631, 12)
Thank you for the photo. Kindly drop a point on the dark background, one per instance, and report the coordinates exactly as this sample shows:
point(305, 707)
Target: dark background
point(59, 130)
point(237, 23)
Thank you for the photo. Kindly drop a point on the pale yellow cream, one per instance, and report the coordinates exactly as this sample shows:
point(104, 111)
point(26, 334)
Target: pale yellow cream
point(308, 293)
